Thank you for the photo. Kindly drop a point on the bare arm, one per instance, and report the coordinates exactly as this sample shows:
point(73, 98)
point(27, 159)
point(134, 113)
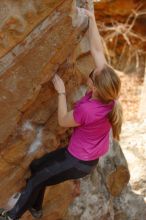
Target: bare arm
point(95, 42)
point(96, 47)
point(65, 118)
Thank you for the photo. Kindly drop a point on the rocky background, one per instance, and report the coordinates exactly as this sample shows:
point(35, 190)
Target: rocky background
point(38, 39)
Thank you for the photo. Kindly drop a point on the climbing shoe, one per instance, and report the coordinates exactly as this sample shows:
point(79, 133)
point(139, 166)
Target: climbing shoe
point(36, 213)
point(4, 215)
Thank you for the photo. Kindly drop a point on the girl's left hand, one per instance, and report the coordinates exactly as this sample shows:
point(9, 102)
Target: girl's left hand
point(58, 83)
point(89, 13)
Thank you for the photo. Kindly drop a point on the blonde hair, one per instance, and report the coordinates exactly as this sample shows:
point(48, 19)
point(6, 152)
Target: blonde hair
point(108, 85)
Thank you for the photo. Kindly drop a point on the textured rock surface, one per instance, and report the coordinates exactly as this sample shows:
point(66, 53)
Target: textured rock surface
point(38, 38)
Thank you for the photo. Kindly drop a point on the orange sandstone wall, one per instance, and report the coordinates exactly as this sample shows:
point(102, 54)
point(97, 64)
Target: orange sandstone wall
point(37, 39)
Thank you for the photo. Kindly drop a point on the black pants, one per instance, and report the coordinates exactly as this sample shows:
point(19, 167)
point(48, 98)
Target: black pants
point(53, 168)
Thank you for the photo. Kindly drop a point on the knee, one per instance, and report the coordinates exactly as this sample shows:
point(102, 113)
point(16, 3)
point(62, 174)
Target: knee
point(33, 166)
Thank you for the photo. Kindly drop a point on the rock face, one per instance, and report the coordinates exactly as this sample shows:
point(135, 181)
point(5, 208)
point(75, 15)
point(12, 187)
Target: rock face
point(37, 39)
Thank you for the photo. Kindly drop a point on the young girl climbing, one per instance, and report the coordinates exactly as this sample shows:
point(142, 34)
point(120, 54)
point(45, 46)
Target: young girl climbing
point(92, 117)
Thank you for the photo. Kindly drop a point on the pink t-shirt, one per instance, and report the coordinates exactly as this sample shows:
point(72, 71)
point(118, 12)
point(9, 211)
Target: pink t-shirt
point(90, 140)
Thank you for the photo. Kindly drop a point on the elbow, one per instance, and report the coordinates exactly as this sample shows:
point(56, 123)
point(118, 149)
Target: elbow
point(61, 124)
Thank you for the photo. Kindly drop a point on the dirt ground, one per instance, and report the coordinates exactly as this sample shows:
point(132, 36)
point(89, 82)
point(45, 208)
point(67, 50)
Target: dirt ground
point(133, 139)
point(130, 95)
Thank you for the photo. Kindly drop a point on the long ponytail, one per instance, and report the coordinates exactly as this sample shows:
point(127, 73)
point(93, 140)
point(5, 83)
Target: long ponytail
point(116, 119)
point(108, 85)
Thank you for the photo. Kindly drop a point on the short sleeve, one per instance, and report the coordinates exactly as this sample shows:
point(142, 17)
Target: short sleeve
point(79, 114)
